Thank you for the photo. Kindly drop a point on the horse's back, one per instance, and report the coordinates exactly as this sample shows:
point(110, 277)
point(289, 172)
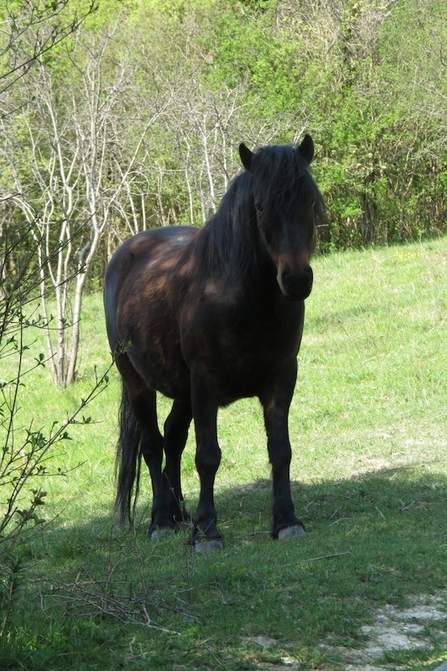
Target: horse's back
point(146, 246)
point(137, 255)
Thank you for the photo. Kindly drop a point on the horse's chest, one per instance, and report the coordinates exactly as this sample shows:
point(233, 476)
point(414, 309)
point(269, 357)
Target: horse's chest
point(247, 350)
point(244, 350)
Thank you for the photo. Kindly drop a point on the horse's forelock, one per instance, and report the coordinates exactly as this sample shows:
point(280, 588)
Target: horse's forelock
point(279, 172)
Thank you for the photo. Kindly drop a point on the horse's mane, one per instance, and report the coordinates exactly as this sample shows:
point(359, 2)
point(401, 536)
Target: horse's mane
point(227, 241)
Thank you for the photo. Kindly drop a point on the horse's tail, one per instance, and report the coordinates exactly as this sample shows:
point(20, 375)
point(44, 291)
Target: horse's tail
point(128, 460)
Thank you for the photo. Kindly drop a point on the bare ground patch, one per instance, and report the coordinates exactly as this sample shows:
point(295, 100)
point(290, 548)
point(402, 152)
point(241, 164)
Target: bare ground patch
point(393, 629)
point(396, 629)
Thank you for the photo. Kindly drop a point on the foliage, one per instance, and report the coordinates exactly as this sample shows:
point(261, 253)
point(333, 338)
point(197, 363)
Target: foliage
point(51, 22)
point(27, 445)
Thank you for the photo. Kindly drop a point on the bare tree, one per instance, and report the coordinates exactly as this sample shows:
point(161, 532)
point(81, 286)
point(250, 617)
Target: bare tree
point(72, 169)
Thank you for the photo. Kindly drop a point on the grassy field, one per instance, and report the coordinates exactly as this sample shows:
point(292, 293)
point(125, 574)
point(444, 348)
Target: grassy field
point(369, 433)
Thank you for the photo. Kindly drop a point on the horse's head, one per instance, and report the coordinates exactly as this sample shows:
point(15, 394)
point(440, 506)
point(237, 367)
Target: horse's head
point(287, 203)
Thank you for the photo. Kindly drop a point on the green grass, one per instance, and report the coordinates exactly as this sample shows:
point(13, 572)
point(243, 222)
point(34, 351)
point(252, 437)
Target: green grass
point(368, 427)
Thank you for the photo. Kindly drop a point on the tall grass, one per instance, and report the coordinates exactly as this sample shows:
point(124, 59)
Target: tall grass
point(368, 427)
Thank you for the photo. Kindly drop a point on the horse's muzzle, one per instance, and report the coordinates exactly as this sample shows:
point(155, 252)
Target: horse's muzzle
point(296, 286)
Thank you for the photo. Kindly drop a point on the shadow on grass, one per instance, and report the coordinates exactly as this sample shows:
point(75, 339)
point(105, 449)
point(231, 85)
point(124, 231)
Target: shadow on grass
point(101, 594)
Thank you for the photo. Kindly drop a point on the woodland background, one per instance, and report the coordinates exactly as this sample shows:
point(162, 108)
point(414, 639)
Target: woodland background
point(123, 115)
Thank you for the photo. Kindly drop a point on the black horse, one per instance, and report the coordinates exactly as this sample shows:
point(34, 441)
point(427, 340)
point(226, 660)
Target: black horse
point(207, 316)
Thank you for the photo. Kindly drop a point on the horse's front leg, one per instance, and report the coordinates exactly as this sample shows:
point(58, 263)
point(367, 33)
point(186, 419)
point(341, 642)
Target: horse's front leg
point(276, 403)
point(206, 536)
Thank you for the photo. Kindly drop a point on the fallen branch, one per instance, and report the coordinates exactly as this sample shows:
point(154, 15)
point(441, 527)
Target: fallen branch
point(333, 556)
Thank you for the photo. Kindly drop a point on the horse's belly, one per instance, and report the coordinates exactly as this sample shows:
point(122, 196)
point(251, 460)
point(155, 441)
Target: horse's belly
point(160, 363)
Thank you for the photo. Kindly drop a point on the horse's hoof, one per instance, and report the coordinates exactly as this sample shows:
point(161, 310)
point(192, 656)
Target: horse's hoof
point(157, 534)
point(288, 532)
point(204, 547)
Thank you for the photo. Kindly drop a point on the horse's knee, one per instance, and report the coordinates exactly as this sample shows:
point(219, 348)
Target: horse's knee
point(208, 459)
point(280, 454)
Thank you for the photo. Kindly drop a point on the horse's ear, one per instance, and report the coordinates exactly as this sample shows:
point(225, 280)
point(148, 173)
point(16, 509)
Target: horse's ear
point(306, 148)
point(246, 156)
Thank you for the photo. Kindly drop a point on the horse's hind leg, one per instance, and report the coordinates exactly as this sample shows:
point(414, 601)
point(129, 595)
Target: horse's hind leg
point(151, 444)
point(175, 435)
point(142, 400)
point(167, 505)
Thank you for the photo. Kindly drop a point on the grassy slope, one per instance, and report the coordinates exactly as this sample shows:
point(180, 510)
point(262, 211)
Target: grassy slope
point(368, 425)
